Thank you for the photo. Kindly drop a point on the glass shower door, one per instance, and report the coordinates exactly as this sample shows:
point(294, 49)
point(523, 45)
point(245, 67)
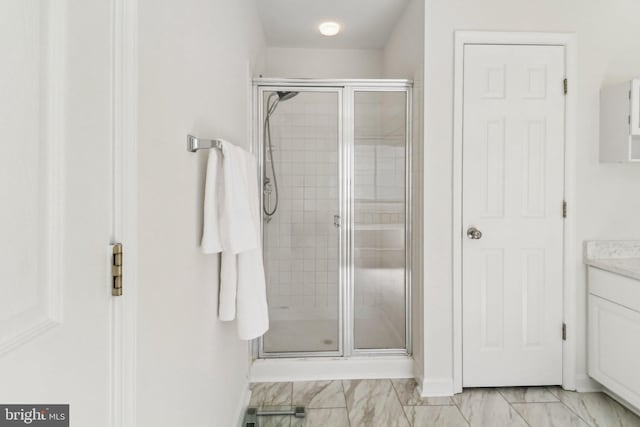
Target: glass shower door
point(301, 141)
point(379, 220)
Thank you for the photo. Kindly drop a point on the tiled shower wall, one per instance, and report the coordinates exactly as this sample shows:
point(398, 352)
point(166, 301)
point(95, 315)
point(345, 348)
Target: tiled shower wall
point(301, 241)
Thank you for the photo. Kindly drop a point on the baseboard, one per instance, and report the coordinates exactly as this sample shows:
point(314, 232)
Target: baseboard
point(327, 368)
point(585, 384)
point(437, 387)
point(244, 404)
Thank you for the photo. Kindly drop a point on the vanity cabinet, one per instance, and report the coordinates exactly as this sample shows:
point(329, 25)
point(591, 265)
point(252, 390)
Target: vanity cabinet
point(614, 333)
point(620, 122)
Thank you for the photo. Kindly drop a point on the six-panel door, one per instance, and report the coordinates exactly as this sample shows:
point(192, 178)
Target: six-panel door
point(55, 215)
point(513, 189)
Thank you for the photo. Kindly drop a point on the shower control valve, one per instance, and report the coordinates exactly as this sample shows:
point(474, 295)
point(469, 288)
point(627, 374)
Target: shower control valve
point(336, 220)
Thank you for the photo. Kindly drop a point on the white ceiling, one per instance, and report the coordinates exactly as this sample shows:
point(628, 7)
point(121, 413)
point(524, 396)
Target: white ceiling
point(366, 24)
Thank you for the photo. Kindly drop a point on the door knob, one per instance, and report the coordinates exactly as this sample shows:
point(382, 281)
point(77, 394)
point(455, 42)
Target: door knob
point(474, 234)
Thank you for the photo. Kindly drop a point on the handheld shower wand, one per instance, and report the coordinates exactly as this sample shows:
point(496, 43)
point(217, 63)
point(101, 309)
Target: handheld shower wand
point(267, 189)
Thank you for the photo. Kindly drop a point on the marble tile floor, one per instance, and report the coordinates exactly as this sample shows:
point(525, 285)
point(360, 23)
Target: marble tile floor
point(396, 403)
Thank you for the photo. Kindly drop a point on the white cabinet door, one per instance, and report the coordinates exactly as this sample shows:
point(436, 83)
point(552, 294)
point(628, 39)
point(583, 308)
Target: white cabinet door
point(55, 205)
point(614, 348)
point(513, 174)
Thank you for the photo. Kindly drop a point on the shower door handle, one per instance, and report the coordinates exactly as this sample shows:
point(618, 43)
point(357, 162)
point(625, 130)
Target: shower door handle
point(267, 195)
point(336, 221)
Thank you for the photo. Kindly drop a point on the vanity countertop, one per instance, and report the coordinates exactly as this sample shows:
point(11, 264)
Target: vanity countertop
point(616, 256)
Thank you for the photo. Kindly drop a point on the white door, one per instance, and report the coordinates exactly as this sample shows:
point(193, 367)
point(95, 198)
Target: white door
point(55, 206)
point(513, 188)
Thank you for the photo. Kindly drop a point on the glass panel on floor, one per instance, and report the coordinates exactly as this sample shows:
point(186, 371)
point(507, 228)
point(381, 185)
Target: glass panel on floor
point(380, 120)
point(275, 416)
point(300, 239)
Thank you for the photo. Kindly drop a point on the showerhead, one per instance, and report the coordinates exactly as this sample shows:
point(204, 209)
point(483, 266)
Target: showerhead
point(285, 96)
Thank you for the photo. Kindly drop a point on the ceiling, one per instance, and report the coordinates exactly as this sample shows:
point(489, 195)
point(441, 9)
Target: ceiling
point(366, 24)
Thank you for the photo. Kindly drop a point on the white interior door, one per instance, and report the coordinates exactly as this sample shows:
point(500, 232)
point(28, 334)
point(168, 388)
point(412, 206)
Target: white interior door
point(55, 205)
point(513, 190)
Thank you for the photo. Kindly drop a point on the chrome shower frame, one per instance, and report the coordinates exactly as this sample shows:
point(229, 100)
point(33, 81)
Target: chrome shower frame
point(346, 90)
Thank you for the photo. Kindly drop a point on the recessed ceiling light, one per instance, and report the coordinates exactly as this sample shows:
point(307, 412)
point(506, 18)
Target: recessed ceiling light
point(329, 28)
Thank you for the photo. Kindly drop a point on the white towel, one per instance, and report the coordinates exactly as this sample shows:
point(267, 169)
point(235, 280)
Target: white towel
point(253, 312)
point(228, 286)
point(213, 200)
point(231, 226)
point(239, 233)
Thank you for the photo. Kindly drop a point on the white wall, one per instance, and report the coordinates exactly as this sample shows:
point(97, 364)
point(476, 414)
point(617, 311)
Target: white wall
point(607, 195)
point(195, 57)
point(323, 63)
point(403, 57)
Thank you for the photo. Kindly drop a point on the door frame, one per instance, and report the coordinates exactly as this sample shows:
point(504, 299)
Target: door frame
point(124, 137)
point(568, 41)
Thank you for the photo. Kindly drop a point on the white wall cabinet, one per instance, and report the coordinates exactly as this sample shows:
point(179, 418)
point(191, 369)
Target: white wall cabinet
point(614, 333)
point(620, 122)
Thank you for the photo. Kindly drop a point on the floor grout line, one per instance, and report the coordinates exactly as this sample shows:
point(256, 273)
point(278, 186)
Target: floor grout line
point(462, 415)
point(511, 406)
point(571, 411)
point(393, 387)
point(568, 407)
point(577, 415)
point(517, 412)
point(346, 405)
point(460, 410)
point(550, 390)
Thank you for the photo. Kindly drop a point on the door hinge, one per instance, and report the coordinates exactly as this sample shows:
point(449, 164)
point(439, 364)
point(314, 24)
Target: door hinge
point(564, 209)
point(116, 270)
point(565, 84)
point(564, 332)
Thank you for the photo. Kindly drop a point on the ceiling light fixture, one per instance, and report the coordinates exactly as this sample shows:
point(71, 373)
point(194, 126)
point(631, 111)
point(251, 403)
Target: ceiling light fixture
point(329, 28)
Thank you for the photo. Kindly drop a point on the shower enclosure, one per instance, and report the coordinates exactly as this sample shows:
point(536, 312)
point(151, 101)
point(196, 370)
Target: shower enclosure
point(335, 167)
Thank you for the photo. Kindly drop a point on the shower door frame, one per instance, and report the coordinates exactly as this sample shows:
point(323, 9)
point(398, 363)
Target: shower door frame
point(346, 90)
point(402, 86)
point(342, 234)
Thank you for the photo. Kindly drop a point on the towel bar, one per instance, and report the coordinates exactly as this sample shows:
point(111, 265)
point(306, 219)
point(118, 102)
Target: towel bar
point(194, 144)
